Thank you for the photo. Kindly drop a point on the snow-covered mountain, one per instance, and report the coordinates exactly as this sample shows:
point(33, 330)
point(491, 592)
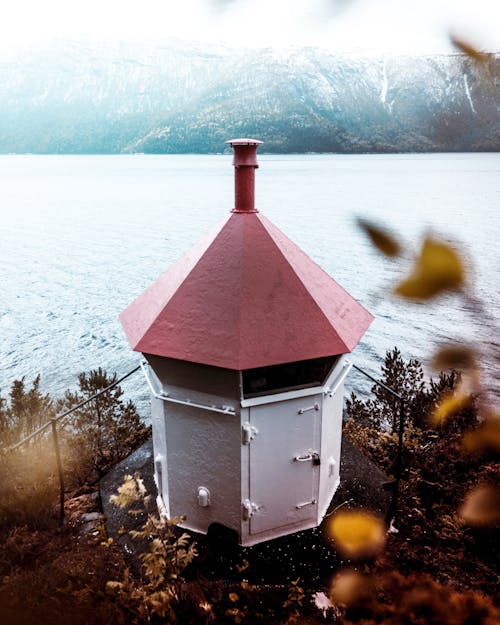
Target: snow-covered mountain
point(176, 98)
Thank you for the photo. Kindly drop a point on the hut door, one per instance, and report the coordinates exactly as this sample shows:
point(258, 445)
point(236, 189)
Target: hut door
point(284, 463)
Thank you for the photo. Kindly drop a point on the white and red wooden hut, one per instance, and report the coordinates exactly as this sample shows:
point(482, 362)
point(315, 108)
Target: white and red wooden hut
point(245, 340)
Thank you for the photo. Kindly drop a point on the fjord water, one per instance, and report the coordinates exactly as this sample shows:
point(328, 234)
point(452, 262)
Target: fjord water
point(82, 236)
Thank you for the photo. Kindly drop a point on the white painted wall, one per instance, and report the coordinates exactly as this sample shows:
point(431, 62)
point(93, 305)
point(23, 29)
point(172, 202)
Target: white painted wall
point(272, 476)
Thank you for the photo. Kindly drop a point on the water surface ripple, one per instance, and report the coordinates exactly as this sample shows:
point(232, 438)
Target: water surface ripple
point(82, 236)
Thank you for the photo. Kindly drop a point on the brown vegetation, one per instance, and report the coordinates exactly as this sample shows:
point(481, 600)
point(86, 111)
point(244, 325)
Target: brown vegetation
point(439, 473)
point(437, 568)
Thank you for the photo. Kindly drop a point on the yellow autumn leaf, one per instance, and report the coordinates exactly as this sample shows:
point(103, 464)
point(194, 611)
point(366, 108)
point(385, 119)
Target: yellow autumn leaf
point(112, 587)
point(458, 357)
point(450, 404)
point(481, 505)
point(439, 268)
point(233, 597)
point(357, 533)
point(381, 239)
point(243, 566)
point(486, 437)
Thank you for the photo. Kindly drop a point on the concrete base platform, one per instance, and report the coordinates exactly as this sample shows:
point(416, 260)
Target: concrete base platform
point(304, 554)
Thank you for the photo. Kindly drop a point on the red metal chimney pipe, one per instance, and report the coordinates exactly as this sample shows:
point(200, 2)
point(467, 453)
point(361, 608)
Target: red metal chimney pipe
point(245, 164)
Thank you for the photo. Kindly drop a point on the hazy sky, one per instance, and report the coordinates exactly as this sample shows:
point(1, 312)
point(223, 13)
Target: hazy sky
point(380, 26)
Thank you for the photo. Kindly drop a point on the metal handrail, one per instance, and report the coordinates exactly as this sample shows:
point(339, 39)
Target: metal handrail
point(52, 423)
point(47, 425)
point(378, 382)
point(166, 397)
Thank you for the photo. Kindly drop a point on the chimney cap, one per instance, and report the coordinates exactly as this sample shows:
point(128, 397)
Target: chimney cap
point(244, 142)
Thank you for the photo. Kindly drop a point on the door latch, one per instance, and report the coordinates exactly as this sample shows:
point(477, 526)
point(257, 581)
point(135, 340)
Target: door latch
point(309, 456)
point(248, 433)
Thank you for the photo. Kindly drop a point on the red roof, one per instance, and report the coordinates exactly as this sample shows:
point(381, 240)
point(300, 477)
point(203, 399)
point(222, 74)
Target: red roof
point(245, 296)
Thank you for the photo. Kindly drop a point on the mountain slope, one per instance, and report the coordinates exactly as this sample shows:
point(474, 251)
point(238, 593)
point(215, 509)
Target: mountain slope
point(77, 98)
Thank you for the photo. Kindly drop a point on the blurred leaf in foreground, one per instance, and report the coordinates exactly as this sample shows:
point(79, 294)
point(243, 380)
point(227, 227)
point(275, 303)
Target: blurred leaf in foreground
point(222, 4)
point(349, 587)
point(450, 404)
point(439, 268)
point(357, 533)
point(381, 239)
point(336, 7)
point(457, 357)
point(481, 506)
point(486, 437)
point(469, 49)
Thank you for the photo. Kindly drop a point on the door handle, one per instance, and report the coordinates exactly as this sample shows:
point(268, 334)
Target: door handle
point(313, 407)
point(303, 458)
point(299, 506)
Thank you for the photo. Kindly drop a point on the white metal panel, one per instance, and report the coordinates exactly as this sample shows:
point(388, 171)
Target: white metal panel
point(245, 458)
point(331, 435)
point(284, 490)
point(160, 450)
point(204, 450)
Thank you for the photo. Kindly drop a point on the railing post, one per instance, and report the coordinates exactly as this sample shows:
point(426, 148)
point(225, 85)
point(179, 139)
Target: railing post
point(398, 465)
point(400, 437)
point(55, 438)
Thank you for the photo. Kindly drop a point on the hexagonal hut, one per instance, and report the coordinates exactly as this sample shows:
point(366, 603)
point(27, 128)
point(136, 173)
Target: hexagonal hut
point(245, 340)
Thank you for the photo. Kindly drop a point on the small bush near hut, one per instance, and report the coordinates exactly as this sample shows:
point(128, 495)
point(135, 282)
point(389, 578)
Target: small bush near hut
point(92, 439)
point(439, 474)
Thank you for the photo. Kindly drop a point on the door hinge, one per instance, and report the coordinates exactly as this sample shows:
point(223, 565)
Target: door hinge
point(248, 433)
point(248, 509)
